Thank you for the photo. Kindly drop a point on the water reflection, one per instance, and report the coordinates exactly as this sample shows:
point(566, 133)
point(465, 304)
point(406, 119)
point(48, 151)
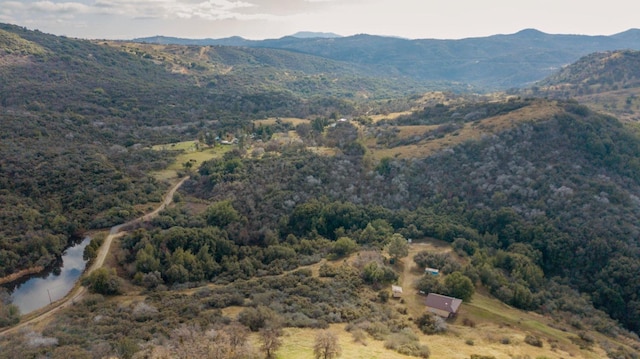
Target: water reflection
point(36, 293)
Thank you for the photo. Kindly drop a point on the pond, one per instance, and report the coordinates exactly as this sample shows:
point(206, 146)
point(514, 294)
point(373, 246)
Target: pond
point(40, 290)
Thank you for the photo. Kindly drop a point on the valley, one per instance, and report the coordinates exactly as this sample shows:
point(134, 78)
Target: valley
point(274, 192)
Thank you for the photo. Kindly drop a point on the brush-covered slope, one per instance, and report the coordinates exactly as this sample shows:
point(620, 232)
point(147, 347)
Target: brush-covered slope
point(244, 69)
point(63, 164)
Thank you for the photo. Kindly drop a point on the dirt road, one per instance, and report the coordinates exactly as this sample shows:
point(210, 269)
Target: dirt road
point(78, 291)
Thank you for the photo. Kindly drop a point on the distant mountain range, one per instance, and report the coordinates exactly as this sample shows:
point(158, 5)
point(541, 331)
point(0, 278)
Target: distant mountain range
point(493, 62)
point(311, 35)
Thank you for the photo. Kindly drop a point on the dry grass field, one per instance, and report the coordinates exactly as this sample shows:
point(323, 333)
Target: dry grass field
point(272, 121)
point(470, 131)
point(623, 104)
point(498, 330)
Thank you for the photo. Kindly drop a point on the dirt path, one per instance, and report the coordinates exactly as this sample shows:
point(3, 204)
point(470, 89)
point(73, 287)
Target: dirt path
point(78, 291)
point(411, 273)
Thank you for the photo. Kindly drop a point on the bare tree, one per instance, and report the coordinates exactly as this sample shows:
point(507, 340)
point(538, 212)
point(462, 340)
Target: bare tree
point(326, 346)
point(238, 334)
point(270, 338)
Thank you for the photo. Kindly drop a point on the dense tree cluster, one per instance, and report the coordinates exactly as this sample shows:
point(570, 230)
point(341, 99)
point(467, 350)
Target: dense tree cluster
point(544, 199)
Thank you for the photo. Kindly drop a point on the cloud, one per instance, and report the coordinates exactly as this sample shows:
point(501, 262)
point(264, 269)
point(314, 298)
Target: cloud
point(159, 9)
point(64, 7)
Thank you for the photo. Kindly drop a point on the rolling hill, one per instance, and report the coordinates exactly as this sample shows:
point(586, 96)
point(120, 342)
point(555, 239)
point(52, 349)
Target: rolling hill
point(494, 62)
point(606, 81)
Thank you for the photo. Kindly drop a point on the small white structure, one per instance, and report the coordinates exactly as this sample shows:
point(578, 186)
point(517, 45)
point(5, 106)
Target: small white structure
point(431, 271)
point(396, 291)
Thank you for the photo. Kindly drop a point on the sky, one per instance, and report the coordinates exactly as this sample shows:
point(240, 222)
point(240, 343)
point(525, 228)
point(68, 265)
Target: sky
point(260, 19)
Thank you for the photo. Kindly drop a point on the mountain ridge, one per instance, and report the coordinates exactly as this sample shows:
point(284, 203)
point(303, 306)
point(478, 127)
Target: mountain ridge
point(495, 62)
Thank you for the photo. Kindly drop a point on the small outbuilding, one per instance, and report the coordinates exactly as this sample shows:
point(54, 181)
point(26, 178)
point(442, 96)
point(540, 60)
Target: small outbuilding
point(396, 291)
point(431, 271)
point(442, 305)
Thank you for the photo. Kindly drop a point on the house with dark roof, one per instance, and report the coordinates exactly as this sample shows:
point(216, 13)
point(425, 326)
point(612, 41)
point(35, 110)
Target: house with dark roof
point(442, 305)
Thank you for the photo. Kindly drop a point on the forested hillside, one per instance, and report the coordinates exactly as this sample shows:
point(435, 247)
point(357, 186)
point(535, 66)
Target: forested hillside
point(77, 118)
point(64, 167)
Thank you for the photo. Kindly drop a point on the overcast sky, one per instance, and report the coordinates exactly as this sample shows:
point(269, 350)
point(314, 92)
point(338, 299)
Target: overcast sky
point(259, 19)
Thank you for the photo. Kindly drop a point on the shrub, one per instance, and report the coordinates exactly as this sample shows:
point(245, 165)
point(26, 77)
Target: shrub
point(327, 270)
point(359, 336)
point(9, 315)
point(103, 281)
point(257, 318)
point(468, 323)
point(431, 324)
point(376, 274)
point(587, 337)
point(377, 330)
point(383, 295)
point(533, 340)
point(407, 343)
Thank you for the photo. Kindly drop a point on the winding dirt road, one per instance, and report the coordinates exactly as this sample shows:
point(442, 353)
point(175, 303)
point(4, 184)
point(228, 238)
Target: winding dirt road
point(78, 291)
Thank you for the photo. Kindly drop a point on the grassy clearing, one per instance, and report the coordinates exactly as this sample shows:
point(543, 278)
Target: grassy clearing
point(298, 344)
point(190, 151)
point(623, 104)
point(272, 121)
point(178, 146)
point(390, 116)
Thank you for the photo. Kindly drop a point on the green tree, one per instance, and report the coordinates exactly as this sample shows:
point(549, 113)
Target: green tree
point(221, 214)
point(344, 246)
point(460, 286)
point(375, 274)
point(177, 273)
point(103, 281)
point(398, 247)
point(430, 284)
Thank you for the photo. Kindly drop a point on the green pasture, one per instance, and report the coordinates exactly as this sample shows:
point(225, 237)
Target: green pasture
point(189, 152)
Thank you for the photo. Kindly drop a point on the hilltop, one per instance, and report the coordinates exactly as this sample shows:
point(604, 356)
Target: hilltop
point(606, 81)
